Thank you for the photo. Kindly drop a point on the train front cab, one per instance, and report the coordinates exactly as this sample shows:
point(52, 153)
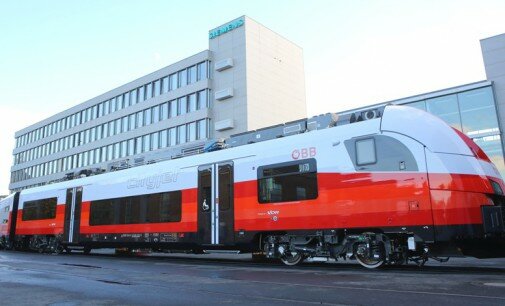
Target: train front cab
point(486, 237)
point(466, 189)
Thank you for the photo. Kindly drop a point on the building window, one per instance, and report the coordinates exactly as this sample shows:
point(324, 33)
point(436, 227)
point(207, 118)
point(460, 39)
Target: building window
point(182, 106)
point(445, 107)
point(138, 145)
point(119, 101)
point(105, 130)
point(155, 141)
point(172, 136)
point(117, 150)
point(191, 128)
point(191, 74)
point(126, 99)
point(183, 80)
point(173, 81)
point(157, 88)
point(202, 99)
point(147, 116)
point(164, 111)
point(140, 119)
point(110, 152)
point(124, 124)
point(131, 122)
point(173, 108)
point(181, 134)
point(149, 91)
point(100, 110)
point(131, 147)
point(155, 113)
point(113, 131)
point(286, 182)
point(133, 97)
point(164, 85)
point(202, 71)
point(164, 139)
point(478, 112)
point(141, 94)
point(123, 150)
point(192, 103)
point(146, 139)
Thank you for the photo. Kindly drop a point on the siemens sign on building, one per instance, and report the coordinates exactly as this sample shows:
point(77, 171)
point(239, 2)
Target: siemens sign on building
point(226, 28)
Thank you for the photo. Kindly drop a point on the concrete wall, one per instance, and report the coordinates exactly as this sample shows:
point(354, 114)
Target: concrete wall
point(267, 78)
point(231, 45)
point(275, 78)
point(493, 53)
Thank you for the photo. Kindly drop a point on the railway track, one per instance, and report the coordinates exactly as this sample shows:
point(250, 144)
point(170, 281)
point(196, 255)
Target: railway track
point(429, 268)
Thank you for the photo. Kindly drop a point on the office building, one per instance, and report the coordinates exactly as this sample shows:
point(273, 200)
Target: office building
point(249, 78)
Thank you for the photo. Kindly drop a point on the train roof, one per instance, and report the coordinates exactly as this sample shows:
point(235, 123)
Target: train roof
point(427, 129)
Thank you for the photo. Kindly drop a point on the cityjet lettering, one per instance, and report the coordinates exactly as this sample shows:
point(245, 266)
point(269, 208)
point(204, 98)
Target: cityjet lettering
point(226, 28)
point(153, 182)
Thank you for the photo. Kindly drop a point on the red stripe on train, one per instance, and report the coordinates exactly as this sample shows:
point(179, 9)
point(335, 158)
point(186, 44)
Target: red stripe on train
point(344, 201)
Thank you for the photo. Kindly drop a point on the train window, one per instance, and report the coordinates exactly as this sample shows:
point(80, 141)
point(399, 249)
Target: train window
point(380, 153)
point(365, 152)
point(39, 209)
point(151, 208)
point(102, 212)
point(291, 181)
point(164, 207)
point(225, 187)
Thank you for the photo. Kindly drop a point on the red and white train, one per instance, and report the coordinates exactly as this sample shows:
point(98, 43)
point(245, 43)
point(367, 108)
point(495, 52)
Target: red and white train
point(401, 186)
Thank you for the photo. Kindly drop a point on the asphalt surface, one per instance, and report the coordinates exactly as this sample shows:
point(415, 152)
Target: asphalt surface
point(104, 279)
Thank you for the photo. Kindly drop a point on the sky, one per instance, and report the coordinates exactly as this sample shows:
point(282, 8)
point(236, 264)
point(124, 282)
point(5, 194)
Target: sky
point(56, 54)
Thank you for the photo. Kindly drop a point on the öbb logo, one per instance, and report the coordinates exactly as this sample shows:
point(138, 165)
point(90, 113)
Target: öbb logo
point(303, 153)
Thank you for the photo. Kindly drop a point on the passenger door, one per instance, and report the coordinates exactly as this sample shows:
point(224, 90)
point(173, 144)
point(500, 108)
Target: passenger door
point(215, 204)
point(72, 215)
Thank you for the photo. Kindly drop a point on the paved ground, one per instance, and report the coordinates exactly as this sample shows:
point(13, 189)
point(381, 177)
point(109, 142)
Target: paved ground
point(101, 279)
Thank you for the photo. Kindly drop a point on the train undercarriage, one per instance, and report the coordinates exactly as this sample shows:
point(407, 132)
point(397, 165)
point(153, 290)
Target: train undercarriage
point(371, 250)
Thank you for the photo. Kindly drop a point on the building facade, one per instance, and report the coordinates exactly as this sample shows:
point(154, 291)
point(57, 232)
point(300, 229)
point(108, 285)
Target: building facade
point(249, 78)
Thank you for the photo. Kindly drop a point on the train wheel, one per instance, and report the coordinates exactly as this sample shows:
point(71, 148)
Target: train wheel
point(292, 258)
point(362, 255)
point(86, 250)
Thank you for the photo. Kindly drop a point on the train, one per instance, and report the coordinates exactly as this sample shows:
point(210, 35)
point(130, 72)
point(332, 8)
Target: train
point(387, 186)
